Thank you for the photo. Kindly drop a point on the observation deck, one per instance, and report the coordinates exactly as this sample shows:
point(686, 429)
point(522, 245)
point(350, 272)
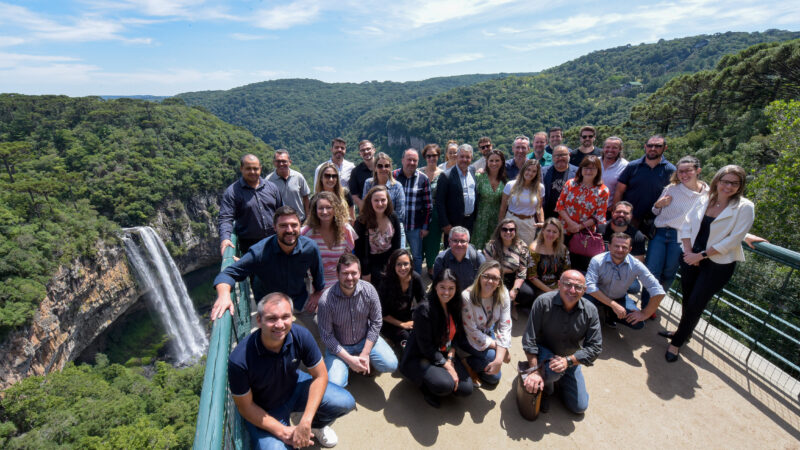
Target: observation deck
point(732, 387)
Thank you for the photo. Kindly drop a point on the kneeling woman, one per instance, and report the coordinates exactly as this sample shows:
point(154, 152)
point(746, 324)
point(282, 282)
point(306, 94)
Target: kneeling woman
point(399, 290)
point(429, 360)
point(486, 312)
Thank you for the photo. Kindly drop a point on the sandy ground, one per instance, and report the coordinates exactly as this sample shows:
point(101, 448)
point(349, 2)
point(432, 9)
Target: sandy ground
point(636, 398)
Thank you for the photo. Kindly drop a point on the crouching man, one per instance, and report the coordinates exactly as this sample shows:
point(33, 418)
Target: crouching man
point(563, 333)
point(267, 385)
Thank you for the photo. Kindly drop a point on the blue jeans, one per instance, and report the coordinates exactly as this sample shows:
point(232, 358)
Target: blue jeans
point(570, 382)
point(382, 358)
point(415, 242)
point(663, 259)
point(335, 403)
point(479, 359)
point(630, 306)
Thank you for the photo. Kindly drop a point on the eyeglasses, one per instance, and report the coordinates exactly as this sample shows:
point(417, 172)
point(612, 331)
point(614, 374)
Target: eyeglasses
point(432, 155)
point(508, 229)
point(730, 183)
point(561, 155)
point(281, 161)
point(330, 176)
point(458, 241)
point(648, 145)
point(587, 136)
point(490, 278)
point(383, 166)
point(365, 149)
point(570, 285)
point(483, 147)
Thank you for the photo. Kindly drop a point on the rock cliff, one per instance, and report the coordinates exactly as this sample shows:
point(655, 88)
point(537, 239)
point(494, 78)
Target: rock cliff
point(86, 297)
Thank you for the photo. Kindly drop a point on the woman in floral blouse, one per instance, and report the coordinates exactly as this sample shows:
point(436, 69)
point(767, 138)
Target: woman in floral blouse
point(489, 188)
point(486, 313)
point(583, 203)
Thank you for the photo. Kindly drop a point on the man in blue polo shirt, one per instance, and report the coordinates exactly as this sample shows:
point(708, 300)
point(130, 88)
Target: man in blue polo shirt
point(643, 180)
point(279, 264)
point(267, 385)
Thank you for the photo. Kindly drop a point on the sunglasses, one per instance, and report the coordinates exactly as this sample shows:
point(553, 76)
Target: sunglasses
point(508, 229)
point(587, 136)
point(654, 145)
point(491, 278)
point(383, 166)
point(330, 176)
point(432, 155)
point(482, 147)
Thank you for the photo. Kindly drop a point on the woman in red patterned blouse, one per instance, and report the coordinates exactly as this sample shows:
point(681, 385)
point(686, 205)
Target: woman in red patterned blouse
point(583, 203)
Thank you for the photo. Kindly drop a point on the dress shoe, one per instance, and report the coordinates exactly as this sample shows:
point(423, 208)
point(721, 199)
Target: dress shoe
point(666, 334)
point(670, 357)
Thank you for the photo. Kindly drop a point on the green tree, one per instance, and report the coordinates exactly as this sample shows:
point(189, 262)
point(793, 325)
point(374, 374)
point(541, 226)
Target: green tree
point(776, 187)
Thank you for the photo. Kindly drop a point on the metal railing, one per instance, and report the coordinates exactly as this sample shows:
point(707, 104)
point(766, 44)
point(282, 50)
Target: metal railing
point(218, 422)
point(760, 308)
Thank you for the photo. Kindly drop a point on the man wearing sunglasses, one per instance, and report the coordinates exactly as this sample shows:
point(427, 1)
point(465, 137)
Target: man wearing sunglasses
point(484, 146)
point(587, 137)
point(643, 180)
point(563, 333)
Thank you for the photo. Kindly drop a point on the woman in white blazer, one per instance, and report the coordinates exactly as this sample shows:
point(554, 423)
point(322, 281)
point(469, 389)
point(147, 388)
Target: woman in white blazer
point(712, 237)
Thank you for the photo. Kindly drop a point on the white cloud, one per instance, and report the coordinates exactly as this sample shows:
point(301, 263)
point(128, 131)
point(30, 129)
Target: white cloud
point(327, 69)
point(248, 37)
point(581, 39)
point(487, 33)
point(446, 60)
point(286, 16)
point(87, 28)
point(419, 13)
point(9, 41)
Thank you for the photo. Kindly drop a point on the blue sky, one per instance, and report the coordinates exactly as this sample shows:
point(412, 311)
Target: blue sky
point(164, 47)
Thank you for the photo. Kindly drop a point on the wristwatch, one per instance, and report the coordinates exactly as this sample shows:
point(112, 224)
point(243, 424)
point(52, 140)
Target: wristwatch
point(704, 254)
point(569, 362)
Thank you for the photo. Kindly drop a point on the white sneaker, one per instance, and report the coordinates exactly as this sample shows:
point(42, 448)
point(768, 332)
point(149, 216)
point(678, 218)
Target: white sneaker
point(326, 437)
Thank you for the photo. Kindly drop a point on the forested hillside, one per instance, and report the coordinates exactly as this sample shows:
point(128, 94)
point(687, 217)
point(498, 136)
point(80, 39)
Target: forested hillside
point(741, 112)
point(75, 169)
point(599, 88)
point(304, 115)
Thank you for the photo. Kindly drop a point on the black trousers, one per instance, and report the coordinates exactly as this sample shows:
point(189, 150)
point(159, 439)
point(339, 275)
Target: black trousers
point(438, 382)
point(699, 284)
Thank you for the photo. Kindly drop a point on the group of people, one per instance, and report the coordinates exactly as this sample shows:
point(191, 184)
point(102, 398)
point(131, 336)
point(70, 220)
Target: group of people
point(562, 235)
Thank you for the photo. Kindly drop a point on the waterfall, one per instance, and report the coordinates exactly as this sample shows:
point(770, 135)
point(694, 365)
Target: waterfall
point(160, 278)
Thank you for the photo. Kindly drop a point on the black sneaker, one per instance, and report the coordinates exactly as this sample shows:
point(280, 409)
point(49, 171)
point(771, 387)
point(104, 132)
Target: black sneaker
point(610, 321)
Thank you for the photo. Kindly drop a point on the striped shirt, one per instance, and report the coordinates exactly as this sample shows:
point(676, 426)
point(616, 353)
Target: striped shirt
point(330, 255)
point(418, 199)
point(348, 320)
point(683, 200)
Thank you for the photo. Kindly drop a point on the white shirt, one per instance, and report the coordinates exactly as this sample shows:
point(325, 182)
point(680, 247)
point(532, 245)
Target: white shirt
point(683, 200)
point(524, 204)
point(727, 231)
point(611, 176)
point(468, 189)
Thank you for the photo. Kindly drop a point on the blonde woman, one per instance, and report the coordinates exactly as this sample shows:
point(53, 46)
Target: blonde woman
point(486, 313)
point(522, 201)
point(549, 258)
point(451, 152)
point(329, 181)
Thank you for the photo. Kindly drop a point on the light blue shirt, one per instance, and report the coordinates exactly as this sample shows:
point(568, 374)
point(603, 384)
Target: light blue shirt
point(468, 188)
point(613, 280)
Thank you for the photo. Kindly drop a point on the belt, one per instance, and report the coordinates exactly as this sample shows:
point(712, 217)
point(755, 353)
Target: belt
point(521, 216)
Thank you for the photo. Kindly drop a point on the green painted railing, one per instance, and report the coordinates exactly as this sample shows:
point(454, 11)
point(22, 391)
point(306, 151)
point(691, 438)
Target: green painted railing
point(218, 422)
point(760, 307)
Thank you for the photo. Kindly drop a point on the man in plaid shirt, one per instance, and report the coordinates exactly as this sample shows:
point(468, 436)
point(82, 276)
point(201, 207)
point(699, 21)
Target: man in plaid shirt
point(418, 203)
